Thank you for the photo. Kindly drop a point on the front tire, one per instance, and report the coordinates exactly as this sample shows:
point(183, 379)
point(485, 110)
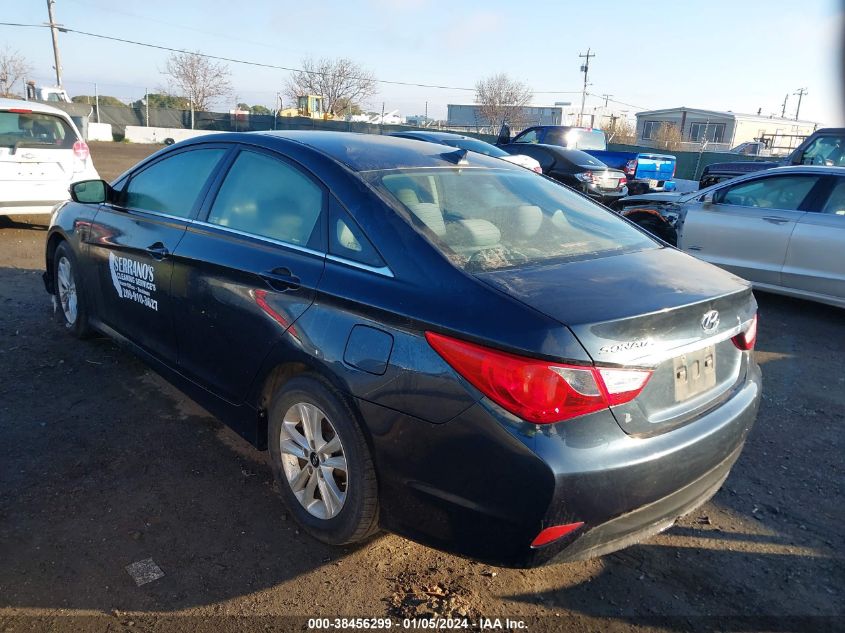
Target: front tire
point(322, 462)
point(69, 295)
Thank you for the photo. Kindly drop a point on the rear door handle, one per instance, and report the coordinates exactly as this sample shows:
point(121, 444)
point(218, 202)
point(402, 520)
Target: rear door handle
point(775, 220)
point(158, 251)
point(281, 279)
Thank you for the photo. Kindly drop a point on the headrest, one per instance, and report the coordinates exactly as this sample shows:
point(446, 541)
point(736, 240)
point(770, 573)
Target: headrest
point(430, 215)
point(472, 235)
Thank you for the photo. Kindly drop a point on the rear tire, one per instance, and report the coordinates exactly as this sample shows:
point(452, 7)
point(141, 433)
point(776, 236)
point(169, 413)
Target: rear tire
point(69, 296)
point(322, 462)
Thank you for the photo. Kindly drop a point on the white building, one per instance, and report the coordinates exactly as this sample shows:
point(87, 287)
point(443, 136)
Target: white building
point(719, 131)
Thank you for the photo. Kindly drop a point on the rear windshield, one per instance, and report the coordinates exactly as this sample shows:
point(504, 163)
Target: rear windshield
point(474, 145)
point(575, 138)
point(487, 219)
point(33, 129)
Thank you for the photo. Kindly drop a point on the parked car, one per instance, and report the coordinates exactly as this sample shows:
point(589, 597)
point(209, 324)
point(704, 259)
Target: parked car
point(822, 147)
point(576, 169)
point(783, 229)
point(645, 171)
point(41, 154)
point(438, 343)
point(472, 144)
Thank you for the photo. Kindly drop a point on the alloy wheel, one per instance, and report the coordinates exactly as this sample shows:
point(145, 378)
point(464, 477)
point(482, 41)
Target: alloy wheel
point(66, 290)
point(314, 461)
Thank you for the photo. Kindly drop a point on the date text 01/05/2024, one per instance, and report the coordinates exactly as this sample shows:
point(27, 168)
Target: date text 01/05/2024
point(416, 623)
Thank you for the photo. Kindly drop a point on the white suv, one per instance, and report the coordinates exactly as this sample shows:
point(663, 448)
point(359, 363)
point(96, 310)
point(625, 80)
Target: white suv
point(41, 154)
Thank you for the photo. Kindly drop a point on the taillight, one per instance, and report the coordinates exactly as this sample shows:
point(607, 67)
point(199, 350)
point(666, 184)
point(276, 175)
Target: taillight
point(586, 176)
point(535, 390)
point(81, 151)
point(631, 167)
point(537, 169)
point(674, 169)
point(745, 340)
point(622, 182)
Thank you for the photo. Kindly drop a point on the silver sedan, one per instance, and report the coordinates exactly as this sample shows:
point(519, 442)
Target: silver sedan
point(782, 229)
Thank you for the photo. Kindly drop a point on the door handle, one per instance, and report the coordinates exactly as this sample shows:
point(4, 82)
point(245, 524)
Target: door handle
point(775, 220)
point(158, 251)
point(281, 279)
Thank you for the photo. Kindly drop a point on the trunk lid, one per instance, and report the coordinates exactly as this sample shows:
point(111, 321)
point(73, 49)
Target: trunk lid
point(647, 309)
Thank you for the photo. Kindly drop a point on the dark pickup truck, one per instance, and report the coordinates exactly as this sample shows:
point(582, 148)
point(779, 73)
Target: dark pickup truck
point(822, 147)
point(646, 172)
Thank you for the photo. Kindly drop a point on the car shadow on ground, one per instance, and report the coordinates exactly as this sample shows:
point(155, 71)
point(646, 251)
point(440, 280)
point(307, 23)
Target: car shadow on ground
point(9, 222)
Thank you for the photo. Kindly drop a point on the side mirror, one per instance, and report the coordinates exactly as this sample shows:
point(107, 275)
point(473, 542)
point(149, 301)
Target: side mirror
point(504, 135)
point(90, 191)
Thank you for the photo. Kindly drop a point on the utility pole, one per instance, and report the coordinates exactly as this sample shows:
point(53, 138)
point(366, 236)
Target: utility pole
point(97, 102)
point(800, 92)
point(606, 98)
point(585, 68)
point(55, 32)
point(783, 107)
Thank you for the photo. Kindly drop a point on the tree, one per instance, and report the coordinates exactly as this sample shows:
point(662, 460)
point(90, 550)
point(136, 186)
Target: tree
point(199, 79)
point(260, 110)
point(105, 100)
point(620, 131)
point(159, 100)
point(503, 100)
point(13, 68)
point(341, 82)
point(668, 136)
point(345, 106)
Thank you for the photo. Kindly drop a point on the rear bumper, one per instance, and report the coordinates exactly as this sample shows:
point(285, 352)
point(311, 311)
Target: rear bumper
point(484, 485)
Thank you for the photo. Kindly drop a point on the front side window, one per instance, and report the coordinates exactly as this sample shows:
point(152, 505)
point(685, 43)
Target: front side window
point(486, 219)
point(173, 184)
point(529, 137)
point(777, 192)
point(264, 196)
point(825, 150)
point(33, 129)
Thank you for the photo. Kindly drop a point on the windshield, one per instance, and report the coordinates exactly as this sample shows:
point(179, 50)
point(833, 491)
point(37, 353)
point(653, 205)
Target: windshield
point(33, 129)
point(487, 219)
point(474, 145)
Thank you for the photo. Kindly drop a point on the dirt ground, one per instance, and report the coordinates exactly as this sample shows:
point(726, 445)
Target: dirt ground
point(103, 464)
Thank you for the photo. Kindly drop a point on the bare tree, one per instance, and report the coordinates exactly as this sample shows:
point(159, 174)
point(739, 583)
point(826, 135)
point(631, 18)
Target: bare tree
point(198, 79)
point(343, 84)
point(503, 100)
point(620, 131)
point(668, 136)
point(13, 68)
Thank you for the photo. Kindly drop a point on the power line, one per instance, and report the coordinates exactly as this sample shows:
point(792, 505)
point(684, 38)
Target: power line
point(65, 29)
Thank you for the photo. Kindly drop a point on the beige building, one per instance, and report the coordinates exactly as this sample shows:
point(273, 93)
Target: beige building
point(721, 131)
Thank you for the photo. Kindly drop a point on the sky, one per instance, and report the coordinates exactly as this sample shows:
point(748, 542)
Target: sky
point(714, 54)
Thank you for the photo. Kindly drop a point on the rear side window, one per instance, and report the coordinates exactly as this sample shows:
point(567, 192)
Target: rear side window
point(836, 201)
point(529, 137)
point(264, 196)
point(173, 184)
point(32, 129)
point(778, 192)
point(485, 219)
point(347, 240)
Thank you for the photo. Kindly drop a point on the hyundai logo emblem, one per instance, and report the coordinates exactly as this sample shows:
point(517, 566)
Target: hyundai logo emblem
point(710, 321)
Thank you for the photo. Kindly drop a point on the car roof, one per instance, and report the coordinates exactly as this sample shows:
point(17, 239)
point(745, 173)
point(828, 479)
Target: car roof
point(13, 104)
point(803, 169)
point(434, 135)
point(371, 152)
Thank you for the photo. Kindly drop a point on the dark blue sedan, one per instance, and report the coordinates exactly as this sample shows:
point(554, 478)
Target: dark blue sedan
point(426, 340)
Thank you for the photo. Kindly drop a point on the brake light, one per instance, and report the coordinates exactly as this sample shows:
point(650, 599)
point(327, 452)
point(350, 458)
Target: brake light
point(622, 182)
point(586, 176)
point(19, 110)
point(746, 340)
point(631, 167)
point(537, 169)
point(535, 390)
point(554, 533)
point(81, 151)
